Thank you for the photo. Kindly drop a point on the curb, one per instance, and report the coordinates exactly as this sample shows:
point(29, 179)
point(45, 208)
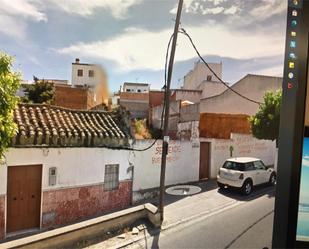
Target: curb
point(195, 217)
point(202, 215)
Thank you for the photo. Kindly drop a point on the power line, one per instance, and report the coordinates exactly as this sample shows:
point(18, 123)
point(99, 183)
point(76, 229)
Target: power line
point(183, 31)
point(163, 107)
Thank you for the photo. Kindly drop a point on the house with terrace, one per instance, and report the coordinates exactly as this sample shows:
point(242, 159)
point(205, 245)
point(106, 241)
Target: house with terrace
point(63, 166)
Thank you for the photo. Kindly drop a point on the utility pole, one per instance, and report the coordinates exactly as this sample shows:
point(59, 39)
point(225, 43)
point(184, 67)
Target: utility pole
point(166, 114)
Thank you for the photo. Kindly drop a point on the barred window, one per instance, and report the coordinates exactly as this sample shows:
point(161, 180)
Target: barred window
point(111, 178)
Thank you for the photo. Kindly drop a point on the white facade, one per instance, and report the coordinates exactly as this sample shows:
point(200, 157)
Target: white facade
point(136, 87)
point(87, 74)
point(182, 164)
point(201, 73)
point(75, 166)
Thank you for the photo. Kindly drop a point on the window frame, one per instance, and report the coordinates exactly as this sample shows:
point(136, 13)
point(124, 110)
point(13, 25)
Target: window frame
point(111, 177)
point(80, 73)
point(91, 73)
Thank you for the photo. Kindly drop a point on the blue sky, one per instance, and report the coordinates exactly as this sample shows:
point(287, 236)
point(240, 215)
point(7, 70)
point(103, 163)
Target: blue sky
point(129, 37)
point(304, 187)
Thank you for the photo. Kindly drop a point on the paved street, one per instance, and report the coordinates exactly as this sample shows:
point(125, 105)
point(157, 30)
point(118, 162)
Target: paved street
point(245, 224)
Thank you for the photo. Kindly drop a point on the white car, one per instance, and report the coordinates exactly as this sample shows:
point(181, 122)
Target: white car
point(244, 173)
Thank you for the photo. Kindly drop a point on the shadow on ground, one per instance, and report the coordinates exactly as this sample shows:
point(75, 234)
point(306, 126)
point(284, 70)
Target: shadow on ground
point(258, 191)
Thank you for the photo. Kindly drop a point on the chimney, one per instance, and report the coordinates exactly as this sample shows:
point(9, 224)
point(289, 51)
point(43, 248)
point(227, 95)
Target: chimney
point(77, 60)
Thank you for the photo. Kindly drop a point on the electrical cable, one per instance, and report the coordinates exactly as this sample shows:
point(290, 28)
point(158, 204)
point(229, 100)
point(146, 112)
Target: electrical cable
point(164, 104)
point(184, 32)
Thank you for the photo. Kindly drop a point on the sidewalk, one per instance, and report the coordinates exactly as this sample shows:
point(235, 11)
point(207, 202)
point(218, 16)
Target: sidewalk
point(181, 209)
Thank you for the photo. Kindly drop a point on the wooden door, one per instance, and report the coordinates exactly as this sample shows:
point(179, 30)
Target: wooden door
point(23, 197)
point(204, 160)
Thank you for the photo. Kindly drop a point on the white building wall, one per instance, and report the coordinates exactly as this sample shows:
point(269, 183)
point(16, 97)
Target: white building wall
point(182, 164)
point(210, 89)
point(75, 166)
point(199, 74)
point(136, 88)
point(99, 75)
point(243, 146)
point(251, 86)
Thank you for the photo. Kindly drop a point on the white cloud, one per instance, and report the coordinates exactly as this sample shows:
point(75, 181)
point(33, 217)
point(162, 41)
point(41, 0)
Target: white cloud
point(231, 11)
point(268, 8)
point(118, 8)
point(14, 15)
point(305, 162)
point(21, 8)
point(214, 11)
point(142, 49)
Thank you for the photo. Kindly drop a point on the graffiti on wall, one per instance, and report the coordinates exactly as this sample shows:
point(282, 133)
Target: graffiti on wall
point(174, 151)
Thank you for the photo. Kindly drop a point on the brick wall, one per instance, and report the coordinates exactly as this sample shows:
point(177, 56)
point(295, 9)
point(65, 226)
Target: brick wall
point(64, 206)
point(2, 216)
point(214, 125)
point(80, 97)
point(71, 97)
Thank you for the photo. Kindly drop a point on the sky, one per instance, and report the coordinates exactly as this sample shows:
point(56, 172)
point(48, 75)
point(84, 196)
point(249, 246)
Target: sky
point(304, 185)
point(129, 37)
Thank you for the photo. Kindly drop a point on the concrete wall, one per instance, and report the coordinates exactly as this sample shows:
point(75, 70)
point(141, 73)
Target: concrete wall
point(199, 74)
point(182, 165)
point(174, 115)
point(190, 113)
point(251, 86)
point(243, 146)
point(211, 88)
point(190, 95)
point(79, 191)
point(189, 130)
point(136, 103)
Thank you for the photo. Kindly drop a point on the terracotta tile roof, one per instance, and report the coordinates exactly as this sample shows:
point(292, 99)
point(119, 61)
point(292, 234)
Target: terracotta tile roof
point(47, 125)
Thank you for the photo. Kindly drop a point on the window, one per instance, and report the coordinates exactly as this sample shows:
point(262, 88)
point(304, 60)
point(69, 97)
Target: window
point(80, 72)
point(259, 165)
point(209, 77)
point(250, 166)
point(139, 90)
point(234, 166)
point(128, 90)
point(111, 178)
point(91, 73)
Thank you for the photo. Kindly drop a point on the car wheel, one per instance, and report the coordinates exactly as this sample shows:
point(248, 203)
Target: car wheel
point(272, 179)
point(220, 185)
point(246, 188)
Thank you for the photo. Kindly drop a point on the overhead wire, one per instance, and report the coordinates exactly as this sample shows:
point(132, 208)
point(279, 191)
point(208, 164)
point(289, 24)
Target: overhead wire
point(184, 32)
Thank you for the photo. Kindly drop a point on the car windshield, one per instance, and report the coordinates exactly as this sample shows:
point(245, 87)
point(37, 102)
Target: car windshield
point(234, 166)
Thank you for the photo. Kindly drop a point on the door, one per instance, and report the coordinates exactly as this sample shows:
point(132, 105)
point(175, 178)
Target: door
point(23, 197)
point(204, 160)
point(261, 172)
point(264, 173)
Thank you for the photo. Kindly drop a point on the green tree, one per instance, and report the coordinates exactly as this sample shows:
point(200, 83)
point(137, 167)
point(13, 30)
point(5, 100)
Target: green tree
point(9, 84)
point(265, 123)
point(41, 92)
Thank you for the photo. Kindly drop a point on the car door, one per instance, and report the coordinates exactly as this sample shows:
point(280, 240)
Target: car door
point(262, 173)
point(252, 173)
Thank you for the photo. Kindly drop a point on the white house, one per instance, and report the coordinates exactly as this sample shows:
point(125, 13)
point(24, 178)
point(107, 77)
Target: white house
point(84, 74)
